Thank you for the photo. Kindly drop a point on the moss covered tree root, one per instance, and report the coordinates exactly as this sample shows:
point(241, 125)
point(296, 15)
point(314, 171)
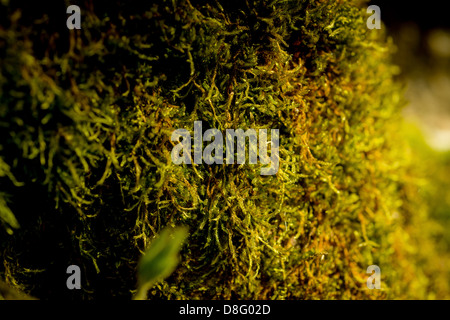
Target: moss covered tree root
point(85, 169)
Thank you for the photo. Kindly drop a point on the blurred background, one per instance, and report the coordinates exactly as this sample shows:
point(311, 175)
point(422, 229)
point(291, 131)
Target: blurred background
point(422, 35)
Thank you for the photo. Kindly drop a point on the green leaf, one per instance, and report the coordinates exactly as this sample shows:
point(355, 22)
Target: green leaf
point(161, 259)
point(7, 216)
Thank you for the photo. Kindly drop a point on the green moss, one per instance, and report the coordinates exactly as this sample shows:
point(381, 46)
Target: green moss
point(86, 118)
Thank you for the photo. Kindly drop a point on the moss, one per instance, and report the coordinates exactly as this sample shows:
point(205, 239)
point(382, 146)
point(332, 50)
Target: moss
point(86, 117)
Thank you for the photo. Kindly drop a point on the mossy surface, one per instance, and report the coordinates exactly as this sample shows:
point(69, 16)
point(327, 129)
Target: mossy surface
point(85, 168)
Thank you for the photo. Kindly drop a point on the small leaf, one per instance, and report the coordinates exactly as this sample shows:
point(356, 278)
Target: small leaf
point(7, 216)
point(9, 293)
point(161, 258)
